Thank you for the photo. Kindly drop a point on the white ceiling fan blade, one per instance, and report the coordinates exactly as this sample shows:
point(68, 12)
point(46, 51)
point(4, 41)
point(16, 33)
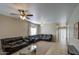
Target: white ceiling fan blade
point(13, 14)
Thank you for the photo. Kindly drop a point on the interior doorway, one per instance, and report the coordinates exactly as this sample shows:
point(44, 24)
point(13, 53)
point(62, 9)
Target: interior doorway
point(62, 36)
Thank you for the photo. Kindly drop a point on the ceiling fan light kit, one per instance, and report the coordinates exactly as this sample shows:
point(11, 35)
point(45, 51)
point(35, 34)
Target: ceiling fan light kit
point(22, 17)
point(22, 14)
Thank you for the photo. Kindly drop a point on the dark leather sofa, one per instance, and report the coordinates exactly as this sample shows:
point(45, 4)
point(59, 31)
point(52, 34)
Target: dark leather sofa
point(40, 37)
point(11, 45)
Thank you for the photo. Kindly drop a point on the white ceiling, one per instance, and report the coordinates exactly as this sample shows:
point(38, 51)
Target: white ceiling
point(43, 13)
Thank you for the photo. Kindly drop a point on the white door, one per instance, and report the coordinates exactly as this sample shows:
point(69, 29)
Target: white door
point(62, 35)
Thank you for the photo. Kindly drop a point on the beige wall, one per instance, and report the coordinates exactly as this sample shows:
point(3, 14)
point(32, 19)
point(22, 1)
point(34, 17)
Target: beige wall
point(10, 27)
point(48, 28)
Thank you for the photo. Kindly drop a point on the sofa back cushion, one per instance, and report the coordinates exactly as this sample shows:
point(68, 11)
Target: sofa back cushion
point(10, 40)
point(41, 37)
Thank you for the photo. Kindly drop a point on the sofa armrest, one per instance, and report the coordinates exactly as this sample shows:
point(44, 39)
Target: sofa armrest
point(72, 50)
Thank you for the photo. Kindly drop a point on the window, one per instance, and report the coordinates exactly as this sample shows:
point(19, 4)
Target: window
point(33, 31)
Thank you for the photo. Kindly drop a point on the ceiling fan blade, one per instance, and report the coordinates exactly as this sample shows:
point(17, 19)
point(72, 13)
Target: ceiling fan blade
point(13, 14)
point(29, 15)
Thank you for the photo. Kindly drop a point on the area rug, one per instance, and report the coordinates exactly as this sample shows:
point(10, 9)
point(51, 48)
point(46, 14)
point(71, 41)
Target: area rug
point(43, 47)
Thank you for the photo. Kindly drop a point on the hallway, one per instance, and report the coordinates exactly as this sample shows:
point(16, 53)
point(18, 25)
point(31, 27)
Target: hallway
point(60, 46)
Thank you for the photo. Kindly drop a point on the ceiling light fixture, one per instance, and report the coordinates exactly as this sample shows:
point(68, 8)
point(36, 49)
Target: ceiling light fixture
point(22, 14)
point(22, 17)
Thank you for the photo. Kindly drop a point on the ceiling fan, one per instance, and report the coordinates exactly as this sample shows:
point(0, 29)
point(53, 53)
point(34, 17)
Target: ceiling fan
point(22, 14)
